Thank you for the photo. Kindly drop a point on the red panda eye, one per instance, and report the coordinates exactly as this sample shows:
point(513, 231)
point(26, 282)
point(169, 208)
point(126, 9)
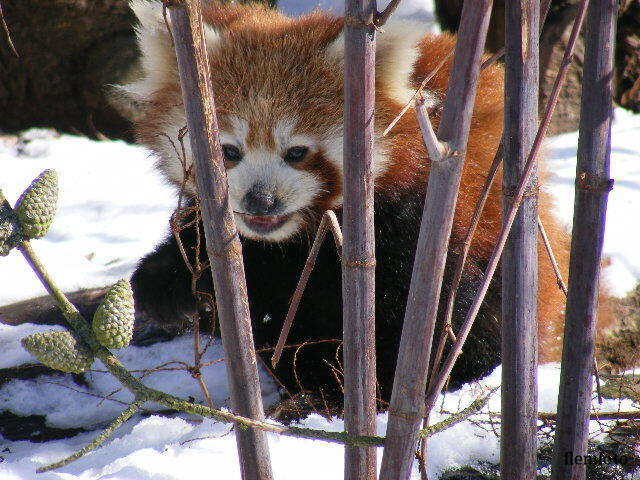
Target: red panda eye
point(295, 154)
point(231, 153)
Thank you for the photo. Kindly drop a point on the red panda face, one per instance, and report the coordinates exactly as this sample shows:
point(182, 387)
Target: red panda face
point(279, 184)
point(278, 87)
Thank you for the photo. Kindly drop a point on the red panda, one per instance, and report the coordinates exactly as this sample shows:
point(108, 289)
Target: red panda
point(278, 88)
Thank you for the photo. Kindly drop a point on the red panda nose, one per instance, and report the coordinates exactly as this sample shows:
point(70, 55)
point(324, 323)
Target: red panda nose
point(259, 201)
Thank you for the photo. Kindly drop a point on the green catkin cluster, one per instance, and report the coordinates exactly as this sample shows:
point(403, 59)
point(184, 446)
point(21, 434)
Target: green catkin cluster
point(59, 350)
point(36, 207)
point(113, 320)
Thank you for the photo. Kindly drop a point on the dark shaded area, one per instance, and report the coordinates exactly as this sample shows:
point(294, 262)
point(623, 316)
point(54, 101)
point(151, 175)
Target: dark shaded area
point(32, 428)
point(595, 471)
point(69, 51)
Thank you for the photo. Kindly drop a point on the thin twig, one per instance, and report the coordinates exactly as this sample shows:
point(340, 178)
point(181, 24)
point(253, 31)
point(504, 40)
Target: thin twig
point(380, 18)
point(563, 287)
point(475, 406)
point(553, 417)
point(329, 221)
point(99, 440)
point(462, 257)
point(418, 92)
point(7, 34)
point(89, 394)
point(547, 245)
point(435, 148)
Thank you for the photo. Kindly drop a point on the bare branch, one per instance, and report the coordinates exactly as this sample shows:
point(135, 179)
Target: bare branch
point(593, 184)
point(99, 440)
point(382, 17)
point(329, 218)
point(552, 257)
point(7, 34)
point(223, 244)
point(418, 93)
point(435, 148)
point(407, 399)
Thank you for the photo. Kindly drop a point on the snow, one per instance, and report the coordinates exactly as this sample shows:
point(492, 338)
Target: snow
point(183, 447)
point(418, 10)
point(621, 231)
point(113, 209)
point(64, 395)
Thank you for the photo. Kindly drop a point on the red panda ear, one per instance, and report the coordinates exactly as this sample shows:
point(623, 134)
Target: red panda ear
point(396, 54)
point(157, 56)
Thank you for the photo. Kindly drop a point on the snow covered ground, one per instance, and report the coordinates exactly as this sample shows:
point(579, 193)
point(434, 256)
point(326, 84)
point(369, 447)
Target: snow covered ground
point(112, 210)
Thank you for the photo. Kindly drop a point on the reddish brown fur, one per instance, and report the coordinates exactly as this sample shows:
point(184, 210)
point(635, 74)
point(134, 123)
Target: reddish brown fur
point(268, 66)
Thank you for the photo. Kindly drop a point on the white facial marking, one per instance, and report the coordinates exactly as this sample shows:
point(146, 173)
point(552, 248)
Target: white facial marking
point(294, 189)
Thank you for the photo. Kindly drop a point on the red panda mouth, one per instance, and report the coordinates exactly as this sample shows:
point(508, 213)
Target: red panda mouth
point(264, 223)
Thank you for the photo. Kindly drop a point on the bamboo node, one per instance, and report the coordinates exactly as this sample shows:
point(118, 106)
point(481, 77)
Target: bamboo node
point(356, 22)
point(411, 416)
point(587, 182)
point(449, 154)
point(530, 191)
point(370, 263)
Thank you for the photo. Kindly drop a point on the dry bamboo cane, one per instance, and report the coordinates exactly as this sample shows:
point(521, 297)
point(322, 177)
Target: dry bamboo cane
point(358, 249)
point(520, 256)
point(223, 243)
point(407, 400)
point(464, 330)
point(592, 189)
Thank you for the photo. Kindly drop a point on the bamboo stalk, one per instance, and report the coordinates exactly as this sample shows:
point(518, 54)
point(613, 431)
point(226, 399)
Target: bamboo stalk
point(520, 256)
point(456, 348)
point(407, 399)
point(358, 249)
point(475, 220)
point(544, 9)
point(223, 244)
point(592, 189)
